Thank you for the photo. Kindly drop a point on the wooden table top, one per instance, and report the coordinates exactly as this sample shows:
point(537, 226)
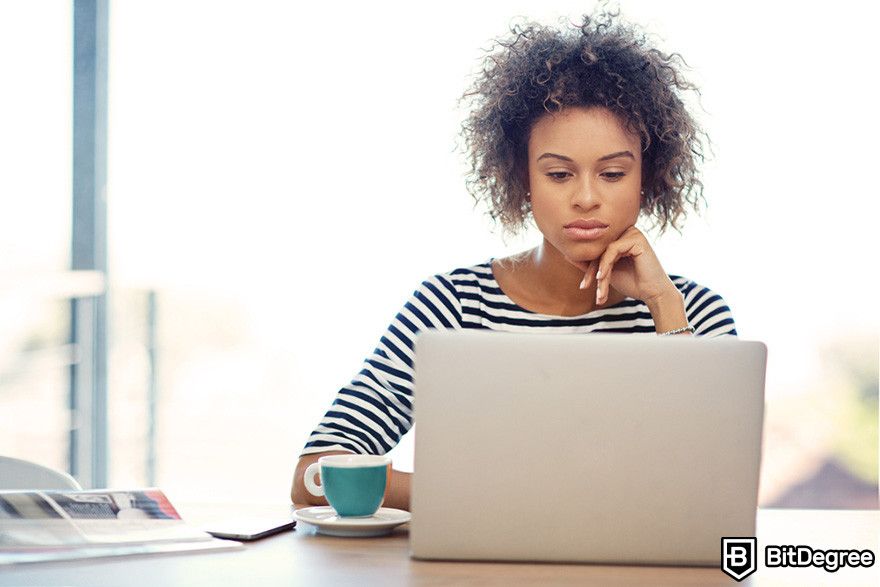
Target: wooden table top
point(303, 557)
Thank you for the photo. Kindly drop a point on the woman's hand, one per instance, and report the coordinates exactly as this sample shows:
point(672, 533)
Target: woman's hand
point(630, 266)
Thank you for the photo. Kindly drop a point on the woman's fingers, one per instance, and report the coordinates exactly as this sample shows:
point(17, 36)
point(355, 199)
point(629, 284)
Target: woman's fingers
point(588, 276)
point(612, 254)
point(603, 275)
point(629, 245)
point(636, 271)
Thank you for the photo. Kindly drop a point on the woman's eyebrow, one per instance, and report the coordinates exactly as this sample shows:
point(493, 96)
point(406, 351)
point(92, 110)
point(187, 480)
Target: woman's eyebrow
point(603, 158)
point(618, 154)
point(549, 155)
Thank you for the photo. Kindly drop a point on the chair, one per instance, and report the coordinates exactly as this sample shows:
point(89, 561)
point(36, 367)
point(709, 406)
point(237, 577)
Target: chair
point(19, 474)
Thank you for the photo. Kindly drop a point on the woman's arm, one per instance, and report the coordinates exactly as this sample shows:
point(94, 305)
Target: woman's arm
point(668, 312)
point(630, 266)
point(398, 490)
point(372, 413)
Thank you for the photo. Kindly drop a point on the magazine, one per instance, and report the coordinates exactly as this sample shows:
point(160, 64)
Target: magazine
point(37, 526)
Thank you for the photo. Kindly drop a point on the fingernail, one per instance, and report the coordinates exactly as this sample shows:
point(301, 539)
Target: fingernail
point(583, 284)
point(599, 274)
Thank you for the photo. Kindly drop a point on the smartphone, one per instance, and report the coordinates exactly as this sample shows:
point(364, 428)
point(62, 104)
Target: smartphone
point(247, 529)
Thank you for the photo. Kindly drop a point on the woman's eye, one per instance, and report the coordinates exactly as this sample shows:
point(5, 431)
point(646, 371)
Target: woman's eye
point(613, 175)
point(558, 175)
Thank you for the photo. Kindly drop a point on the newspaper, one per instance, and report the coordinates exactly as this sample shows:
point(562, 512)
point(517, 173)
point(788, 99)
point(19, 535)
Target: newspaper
point(38, 526)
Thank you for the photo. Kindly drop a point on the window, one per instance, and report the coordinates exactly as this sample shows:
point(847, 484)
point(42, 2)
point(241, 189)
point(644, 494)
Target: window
point(35, 228)
point(280, 179)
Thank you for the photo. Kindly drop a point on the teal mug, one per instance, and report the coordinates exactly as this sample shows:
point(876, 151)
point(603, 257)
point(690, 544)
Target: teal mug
point(354, 485)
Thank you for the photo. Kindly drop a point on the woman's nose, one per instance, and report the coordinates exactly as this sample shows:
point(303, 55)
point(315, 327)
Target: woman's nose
point(585, 196)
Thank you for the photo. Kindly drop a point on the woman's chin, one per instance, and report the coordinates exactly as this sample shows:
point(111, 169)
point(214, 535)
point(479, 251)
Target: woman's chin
point(584, 253)
point(581, 262)
point(579, 254)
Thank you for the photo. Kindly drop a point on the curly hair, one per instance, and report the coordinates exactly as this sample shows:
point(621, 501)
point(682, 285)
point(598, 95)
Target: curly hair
point(601, 62)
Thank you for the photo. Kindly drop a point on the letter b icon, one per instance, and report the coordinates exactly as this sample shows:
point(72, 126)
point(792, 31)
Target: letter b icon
point(738, 558)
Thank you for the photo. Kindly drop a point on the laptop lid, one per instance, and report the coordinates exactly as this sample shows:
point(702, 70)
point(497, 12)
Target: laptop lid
point(601, 448)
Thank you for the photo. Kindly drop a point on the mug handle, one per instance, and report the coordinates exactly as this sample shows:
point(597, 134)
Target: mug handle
point(309, 478)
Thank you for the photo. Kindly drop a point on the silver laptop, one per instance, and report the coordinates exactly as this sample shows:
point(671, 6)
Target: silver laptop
point(628, 449)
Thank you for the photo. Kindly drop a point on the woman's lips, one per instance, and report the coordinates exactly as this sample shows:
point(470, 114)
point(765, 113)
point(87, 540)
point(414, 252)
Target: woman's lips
point(584, 234)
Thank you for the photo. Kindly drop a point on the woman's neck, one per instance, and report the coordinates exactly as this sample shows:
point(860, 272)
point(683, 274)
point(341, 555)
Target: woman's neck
point(555, 273)
point(543, 278)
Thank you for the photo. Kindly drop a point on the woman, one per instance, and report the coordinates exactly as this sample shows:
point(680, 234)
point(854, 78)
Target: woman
point(581, 131)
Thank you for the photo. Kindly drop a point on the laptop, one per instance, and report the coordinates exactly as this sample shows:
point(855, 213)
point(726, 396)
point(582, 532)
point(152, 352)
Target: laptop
point(631, 449)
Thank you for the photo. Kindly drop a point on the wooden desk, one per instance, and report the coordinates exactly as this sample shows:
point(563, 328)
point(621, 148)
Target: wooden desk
point(305, 558)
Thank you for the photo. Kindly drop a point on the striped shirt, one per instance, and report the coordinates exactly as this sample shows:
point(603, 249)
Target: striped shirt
point(372, 413)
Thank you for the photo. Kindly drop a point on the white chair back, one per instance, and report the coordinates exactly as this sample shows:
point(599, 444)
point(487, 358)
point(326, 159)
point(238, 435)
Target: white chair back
point(20, 474)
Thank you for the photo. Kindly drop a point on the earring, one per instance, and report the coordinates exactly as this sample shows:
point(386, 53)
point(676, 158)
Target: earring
point(528, 195)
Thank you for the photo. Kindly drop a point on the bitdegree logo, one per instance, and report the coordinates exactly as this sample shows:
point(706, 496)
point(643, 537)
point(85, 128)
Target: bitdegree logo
point(805, 556)
point(739, 554)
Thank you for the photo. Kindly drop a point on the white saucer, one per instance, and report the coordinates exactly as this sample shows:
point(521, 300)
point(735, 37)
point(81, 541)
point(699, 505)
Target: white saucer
point(325, 521)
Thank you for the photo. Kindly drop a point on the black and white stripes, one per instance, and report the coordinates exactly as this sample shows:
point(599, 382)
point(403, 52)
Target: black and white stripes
point(372, 412)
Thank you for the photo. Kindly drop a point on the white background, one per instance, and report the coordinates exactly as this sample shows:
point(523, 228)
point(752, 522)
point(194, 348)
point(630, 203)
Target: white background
point(291, 167)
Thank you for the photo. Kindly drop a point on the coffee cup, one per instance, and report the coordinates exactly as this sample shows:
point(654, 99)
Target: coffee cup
point(354, 485)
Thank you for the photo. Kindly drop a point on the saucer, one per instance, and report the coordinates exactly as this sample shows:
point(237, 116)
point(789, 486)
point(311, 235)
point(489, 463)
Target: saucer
point(325, 521)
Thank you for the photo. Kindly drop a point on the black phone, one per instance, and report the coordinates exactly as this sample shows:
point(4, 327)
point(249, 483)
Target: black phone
point(248, 529)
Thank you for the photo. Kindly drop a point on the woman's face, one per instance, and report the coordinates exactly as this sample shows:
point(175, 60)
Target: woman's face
point(583, 166)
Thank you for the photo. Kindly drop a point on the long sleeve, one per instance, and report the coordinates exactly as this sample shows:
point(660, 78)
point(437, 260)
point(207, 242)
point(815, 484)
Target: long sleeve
point(707, 311)
point(373, 412)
